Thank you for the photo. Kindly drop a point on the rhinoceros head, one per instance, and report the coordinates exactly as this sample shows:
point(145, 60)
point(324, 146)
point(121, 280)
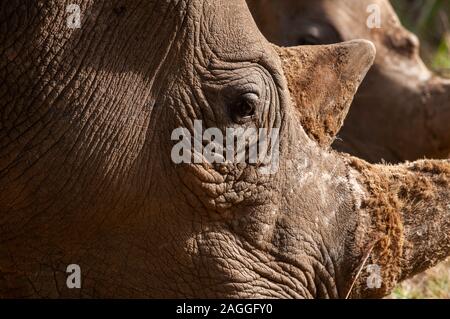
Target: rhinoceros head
point(113, 160)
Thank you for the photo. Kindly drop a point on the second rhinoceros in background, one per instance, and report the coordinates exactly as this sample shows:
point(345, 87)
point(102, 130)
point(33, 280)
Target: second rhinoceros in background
point(402, 110)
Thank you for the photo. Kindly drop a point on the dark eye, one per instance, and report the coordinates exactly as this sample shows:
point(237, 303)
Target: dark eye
point(308, 40)
point(316, 33)
point(244, 108)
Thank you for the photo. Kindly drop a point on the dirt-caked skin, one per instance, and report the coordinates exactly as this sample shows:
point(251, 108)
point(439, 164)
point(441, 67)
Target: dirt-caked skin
point(402, 110)
point(87, 176)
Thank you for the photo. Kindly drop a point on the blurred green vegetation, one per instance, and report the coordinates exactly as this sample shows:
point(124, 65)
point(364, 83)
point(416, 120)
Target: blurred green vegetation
point(433, 284)
point(430, 20)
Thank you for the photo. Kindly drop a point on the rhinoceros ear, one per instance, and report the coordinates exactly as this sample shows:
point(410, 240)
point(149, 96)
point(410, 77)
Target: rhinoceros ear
point(322, 81)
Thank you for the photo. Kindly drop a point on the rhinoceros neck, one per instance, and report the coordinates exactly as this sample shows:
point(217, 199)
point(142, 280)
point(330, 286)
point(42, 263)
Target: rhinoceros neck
point(77, 115)
point(82, 99)
point(53, 61)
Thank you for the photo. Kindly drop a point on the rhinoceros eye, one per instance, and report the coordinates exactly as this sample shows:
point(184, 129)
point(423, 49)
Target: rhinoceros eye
point(244, 108)
point(317, 33)
point(308, 40)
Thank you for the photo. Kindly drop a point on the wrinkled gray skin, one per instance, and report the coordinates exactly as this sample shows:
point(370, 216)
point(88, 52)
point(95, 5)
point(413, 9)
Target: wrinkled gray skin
point(86, 176)
point(402, 110)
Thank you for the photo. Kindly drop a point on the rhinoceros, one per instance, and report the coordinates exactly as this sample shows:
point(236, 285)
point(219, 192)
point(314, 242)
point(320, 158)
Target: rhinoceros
point(93, 202)
point(402, 110)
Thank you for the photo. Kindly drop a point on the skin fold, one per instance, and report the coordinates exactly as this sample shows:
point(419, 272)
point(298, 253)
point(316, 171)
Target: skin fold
point(402, 110)
point(86, 175)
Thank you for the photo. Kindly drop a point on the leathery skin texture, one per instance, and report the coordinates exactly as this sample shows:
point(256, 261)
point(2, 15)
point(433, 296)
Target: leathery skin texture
point(87, 178)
